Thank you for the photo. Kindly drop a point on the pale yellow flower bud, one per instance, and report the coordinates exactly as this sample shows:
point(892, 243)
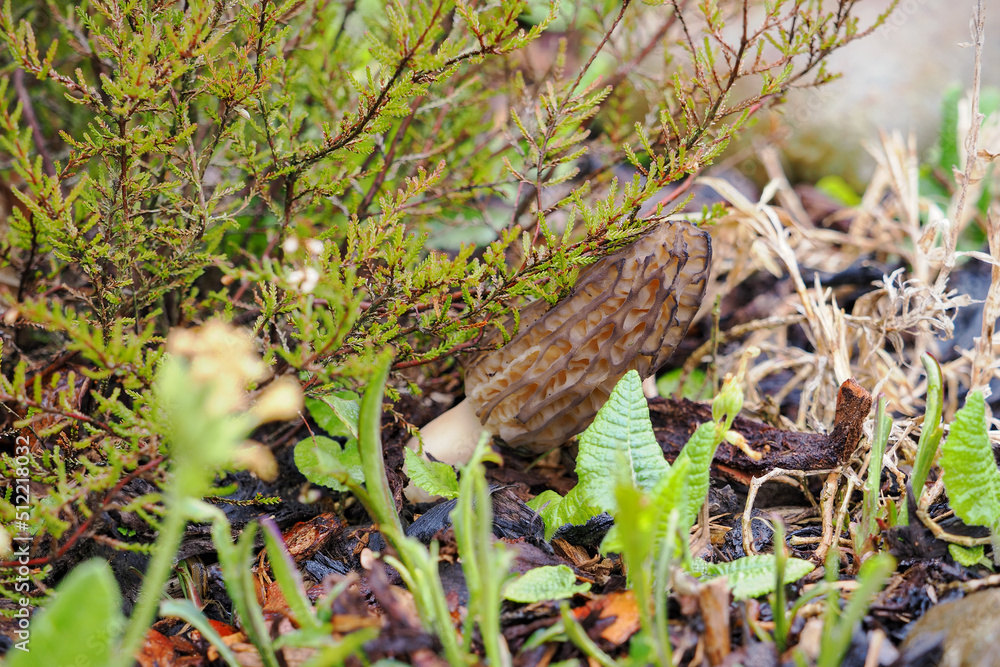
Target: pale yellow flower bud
point(5, 543)
point(221, 357)
point(258, 459)
point(280, 401)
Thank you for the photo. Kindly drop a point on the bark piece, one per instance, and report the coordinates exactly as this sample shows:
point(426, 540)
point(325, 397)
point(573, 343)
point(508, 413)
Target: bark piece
point(713, 597)
point(675, 420)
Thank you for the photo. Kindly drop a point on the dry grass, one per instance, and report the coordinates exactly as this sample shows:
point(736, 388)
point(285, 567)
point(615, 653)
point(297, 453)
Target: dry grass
point(907, 313)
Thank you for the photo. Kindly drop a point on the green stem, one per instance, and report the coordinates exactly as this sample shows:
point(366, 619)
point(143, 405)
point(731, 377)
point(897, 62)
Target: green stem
point(883, 425)
point(420, 569)
point(169, 540)
point(778, 611)
point(578, 636)
point(930, 430)
point(370, 445)
point(661, 584)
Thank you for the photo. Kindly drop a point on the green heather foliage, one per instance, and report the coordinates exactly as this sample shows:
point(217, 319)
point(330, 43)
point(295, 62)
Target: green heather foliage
point(304, 168)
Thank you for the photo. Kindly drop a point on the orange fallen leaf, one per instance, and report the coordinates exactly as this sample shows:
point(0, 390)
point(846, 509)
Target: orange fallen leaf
point(157, 651)
point(623, 607)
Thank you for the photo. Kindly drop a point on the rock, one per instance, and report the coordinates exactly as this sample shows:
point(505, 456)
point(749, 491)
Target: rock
point(893, 79)
point(961, 633)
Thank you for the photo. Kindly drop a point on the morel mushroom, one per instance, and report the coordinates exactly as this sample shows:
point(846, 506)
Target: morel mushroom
point(627, 311)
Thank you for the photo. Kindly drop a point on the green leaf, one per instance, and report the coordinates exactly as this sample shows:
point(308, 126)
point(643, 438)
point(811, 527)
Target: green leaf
point(753, 576)
point(869, 514)
point(699, 567)
point(434, 477)
point(342, 649)
point(970, 471)
point(187, 611)
point(696, 387)
point(549, 582)
point(288, 577)
point(837, 188)
point(948, 133)
point(557, 511)
point(83, 621)
point(671, 492)
point(621, 439)
point(579, 637)
point(324, 462)
point(697, 458)
point(838, 624)
point(931, 430)
point(634, 531)
point(235, 560)
point(335, 414)
point(969, 556)
point(485, 560)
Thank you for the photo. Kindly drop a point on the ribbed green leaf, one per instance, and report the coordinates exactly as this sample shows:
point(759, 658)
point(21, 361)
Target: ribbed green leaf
point(672, 491)
point(970, 471)
point(434, 477)
point(620, 442)
point(557, 511)
point(968, 556)
point(549, 582)
point(753, 576)
point(620, 439)
point(697, 454)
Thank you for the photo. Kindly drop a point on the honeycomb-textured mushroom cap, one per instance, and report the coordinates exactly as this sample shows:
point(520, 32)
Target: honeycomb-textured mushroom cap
point(627, 311)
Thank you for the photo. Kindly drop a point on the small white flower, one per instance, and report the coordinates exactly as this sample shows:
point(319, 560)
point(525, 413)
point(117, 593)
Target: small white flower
point(243, 112)
point(310, 496)
point(311, 280)
point(315, 247)
point(295, 277)
point(290, 245)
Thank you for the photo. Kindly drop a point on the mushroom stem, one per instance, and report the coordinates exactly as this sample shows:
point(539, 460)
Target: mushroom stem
point(450, 438)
